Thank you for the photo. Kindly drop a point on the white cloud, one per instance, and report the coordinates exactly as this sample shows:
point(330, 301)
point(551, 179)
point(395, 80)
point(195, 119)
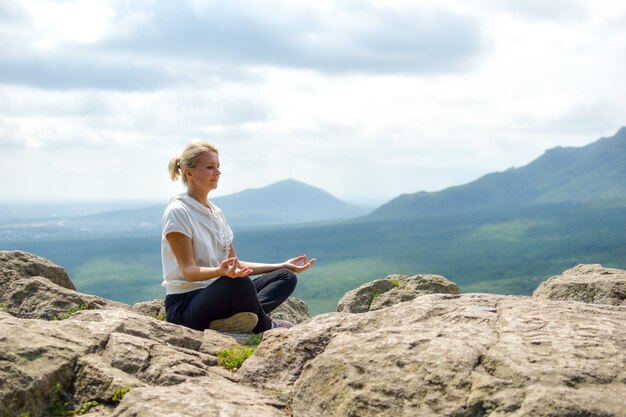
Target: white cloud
point(534, 10)
point(72, 22)
point(85, 44)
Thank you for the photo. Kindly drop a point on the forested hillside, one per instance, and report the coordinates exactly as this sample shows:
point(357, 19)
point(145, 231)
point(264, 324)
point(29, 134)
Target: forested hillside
point(595, 173)
point(506, 252)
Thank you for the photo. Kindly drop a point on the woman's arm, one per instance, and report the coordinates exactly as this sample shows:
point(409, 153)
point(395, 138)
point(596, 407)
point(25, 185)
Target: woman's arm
point(182, 247)
point(298, 264)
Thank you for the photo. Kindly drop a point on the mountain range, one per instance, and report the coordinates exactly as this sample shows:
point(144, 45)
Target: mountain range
point(592, 174)
point(284, 202)
point(505, 232)
point(595, 173)
point(287, 201)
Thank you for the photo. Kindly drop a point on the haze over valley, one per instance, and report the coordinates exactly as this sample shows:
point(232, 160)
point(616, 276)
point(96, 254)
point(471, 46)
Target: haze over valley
point(505, 232)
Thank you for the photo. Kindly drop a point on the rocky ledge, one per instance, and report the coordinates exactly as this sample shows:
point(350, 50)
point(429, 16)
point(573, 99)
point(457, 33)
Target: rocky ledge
point(401, 346)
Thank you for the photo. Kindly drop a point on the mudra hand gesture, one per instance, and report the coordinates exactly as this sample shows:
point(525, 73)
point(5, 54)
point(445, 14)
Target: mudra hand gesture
point(298, 264)
point(232, 268)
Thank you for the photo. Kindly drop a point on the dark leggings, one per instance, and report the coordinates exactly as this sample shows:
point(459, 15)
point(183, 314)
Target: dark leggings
point(227, 296)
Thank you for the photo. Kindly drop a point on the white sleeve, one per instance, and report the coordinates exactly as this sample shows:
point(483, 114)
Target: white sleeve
point(176, 219)
point(229, 231)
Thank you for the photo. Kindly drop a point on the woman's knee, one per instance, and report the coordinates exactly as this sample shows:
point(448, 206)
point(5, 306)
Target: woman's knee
point(244, 289)
point(226, 289)
point(243, 284)
point(289, 277)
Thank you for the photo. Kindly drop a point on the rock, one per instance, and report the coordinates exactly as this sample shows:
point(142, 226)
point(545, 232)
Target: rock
point(392, 290)
point(153, 308)
point(445, 354)
point(97, 354)
point(214, 341)
point(587, 283)
point(200, 397)
point(34, 287)
point(104, 349)
point(39, 298)
point(360, 299)
point(293, 310)
point(36, 356)
point(437, 354)
point(407, 288)
point(97, 381)
point(17, 264)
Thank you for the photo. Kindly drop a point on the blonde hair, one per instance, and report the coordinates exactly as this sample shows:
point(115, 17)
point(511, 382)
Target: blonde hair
point(188, 159)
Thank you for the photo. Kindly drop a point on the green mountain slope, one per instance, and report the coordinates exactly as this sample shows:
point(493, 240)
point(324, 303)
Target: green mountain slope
point(595, 173)
point(507, 252)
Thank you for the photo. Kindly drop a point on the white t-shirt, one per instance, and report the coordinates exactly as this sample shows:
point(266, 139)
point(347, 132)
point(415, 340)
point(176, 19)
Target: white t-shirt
point(209, 232)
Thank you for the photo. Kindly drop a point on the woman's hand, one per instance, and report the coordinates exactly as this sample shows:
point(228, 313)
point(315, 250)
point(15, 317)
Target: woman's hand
point(298, 264)
point(231, 268)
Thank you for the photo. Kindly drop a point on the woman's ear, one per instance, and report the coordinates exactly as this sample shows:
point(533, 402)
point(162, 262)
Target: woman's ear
point(187, 173)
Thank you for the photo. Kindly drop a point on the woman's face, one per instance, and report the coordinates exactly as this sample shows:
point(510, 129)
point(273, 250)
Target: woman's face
point(206, 173)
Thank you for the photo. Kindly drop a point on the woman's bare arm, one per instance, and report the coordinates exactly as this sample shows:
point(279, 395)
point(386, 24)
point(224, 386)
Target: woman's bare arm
point(182, 247)
point(298, 264)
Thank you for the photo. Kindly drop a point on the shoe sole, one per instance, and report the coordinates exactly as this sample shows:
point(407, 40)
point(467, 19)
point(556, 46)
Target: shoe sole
point(243, 322)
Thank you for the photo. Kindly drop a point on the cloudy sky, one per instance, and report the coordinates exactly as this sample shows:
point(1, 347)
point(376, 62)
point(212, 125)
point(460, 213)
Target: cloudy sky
point(365, 99)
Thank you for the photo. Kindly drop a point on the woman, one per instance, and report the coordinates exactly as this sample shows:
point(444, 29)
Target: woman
point(208, 287)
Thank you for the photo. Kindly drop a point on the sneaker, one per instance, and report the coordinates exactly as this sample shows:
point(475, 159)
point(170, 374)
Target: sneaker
point(242, 322)
point(277, 323)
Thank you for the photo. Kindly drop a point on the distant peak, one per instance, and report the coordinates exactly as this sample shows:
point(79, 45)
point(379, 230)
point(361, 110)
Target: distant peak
point(287, 185)
point(290, 181)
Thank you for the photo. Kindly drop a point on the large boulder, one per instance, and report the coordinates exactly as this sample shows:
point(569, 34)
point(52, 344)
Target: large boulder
point(33, 287)
point(200, 397)
point(128, 363)
point(39, 298)
point(587, 283)
point(359, 300)
point(17, 264)
point(456, 355)
point(63, 350)
point(293, 310)
point(392, 290)
point(153, 308)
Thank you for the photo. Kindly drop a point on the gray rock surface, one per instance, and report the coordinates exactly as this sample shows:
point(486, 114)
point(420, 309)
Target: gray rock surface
point(437, 354)
point(95, 353)
point(39, 298)
point(34, 287)
point(450, 355)
point(17, 264)
point(360, 299)
point(392, 290)
point(152, 308)
point(587, 283)
point(293, 310)
point(201, 397)
point(51, 358)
